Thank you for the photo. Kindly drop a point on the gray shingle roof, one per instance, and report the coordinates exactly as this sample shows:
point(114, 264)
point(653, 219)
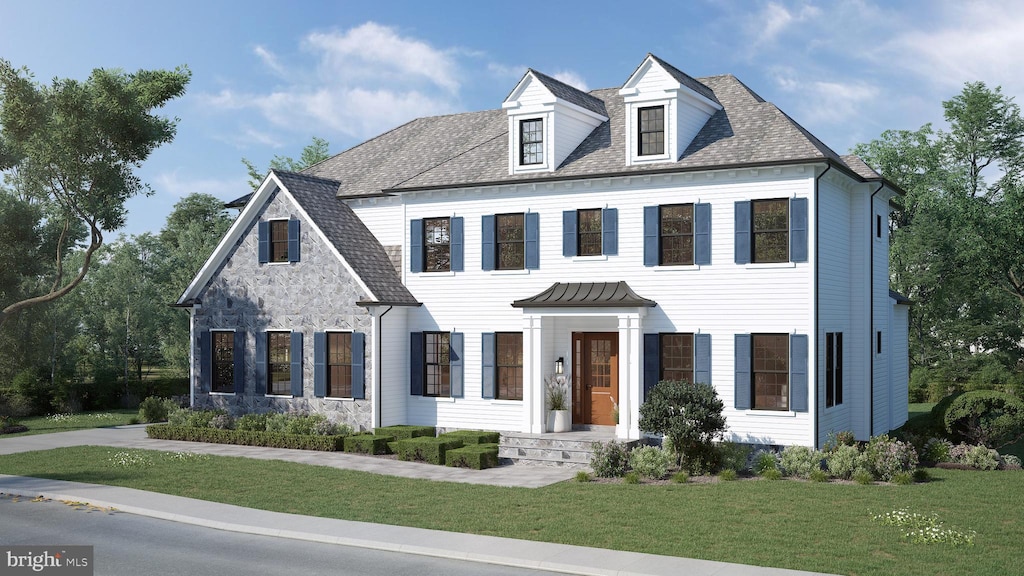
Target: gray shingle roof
point(570, 94)
point(356, 244)
point(686, 80)
point(585, 295)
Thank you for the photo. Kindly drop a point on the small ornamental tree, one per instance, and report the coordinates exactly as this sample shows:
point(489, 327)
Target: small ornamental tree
point(689, 415)
point(985, 417)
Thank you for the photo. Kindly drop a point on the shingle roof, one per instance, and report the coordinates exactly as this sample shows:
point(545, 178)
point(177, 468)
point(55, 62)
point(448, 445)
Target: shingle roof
point(570, 93)
point(584, 295)
point(356, 244)
point(686, 80)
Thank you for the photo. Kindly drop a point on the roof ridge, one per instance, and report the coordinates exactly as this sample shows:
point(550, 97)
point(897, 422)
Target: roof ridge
point(686, 79)
point(449, 159)
point(821, 146)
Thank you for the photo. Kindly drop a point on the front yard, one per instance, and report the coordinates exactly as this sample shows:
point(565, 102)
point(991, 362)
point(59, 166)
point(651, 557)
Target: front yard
point(81, 421)
point(823, 527)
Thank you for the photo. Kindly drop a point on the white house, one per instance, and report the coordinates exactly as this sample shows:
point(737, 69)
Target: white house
point(671, 228)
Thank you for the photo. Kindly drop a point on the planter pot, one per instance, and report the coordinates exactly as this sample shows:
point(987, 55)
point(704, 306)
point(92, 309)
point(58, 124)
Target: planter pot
point(559, 421)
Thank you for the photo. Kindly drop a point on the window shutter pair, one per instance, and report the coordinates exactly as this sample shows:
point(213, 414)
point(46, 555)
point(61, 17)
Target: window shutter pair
point(609, 232)
point(320, 365)
point(263, 240)
point(798, 372)
point(455, 363)
point(488, 241)
point(455, 245)
point(701, 234)
point(797, 231)
point(652, 360)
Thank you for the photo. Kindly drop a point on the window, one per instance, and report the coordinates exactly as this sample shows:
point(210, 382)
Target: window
point(771, 371)
point(651, 124)
point(510, 365)
point(676, 235)
point(279, 367)
point(278, 240)
point(339, 364)
point(878, 342)
point(437, 244)
point(223, 362)
point(511, 242)
point(833, 369)
point(437, 364)
point(770, 230)
point(878, 226)
point(588, 232)
point(676, 357)
point(531, 142)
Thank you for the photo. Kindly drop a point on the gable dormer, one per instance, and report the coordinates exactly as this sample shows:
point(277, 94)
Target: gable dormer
point(547, 120)
point(665, 109)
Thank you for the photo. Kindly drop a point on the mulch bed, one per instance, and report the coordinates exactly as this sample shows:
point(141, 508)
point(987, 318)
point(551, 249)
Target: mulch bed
point(14, 429)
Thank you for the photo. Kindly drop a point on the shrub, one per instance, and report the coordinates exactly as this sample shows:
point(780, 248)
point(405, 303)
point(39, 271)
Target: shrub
point(154, 409)
point(764, 460)
point(12, 407)
point(863, 477)
point(885, 457)
point(733, 456)
point(650, 461)
point(978, 457)
point(727, 475)
point(800, 461)
point(426, 449)
point(771, 474)
point(252, 422)
point(34, 391)
point(632, 477)
point(305, 424)
point(985, 417)
point(818, 475)
point(277, 423)
point(610, 460)
point(690, 415)
point(327, 428)
point(680, 478)
point(936, 450)
point(903, 478)
point(474, 436)
point(1010, 461)
point(404, 431)
point(921, 475)
point(582, 476)
point(367, 444)
point(245, 438)
point(222, 422)
point(475, 456)
point(193, 418)
point(837, 439)
point(844, 461)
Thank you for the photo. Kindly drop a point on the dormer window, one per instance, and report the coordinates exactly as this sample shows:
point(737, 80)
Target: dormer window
point(651, 124)
point(531, 142)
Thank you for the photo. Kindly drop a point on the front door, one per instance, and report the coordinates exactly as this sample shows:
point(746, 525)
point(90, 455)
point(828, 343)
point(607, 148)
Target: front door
point(595, 377)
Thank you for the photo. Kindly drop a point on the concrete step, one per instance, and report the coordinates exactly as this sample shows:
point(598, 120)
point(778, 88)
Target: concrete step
point(570, 450)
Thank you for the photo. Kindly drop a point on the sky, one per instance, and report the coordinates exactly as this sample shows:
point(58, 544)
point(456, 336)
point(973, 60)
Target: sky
point(267, 76)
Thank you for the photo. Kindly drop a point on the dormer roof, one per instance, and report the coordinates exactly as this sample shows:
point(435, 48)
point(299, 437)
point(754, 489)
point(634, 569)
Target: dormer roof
point(683, 78)
point(569, 93)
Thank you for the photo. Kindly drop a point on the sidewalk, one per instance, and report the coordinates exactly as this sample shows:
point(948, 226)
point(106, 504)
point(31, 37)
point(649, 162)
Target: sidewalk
point(487, 549)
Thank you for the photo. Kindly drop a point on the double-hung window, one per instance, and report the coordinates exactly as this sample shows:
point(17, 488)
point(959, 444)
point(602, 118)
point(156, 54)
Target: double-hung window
point(223, 362)
point(651, 131)
point(590, 232)
point(676, 234)
point(437, 244)
point(531, 142)
point(279, 375)
point(339, 364)
point(278, 240)
point(437, 364)
point(510, 365)
point(771, 371)
point(511, 241)
point(771, 231)
point(677, 357)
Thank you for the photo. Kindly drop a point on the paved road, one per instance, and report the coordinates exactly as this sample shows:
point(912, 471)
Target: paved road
point(129, 544)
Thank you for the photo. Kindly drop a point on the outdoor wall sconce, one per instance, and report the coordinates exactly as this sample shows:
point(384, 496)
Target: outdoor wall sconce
point(559, 365)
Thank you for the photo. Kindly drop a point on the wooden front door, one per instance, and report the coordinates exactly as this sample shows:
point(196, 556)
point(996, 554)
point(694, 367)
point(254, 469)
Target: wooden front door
point(595, 377)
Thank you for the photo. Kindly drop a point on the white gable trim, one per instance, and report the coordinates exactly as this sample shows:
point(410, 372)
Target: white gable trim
point(243, 222)
point(629, 88)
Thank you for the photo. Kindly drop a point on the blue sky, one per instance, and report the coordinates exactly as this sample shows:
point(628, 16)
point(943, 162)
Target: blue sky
point(267, 75)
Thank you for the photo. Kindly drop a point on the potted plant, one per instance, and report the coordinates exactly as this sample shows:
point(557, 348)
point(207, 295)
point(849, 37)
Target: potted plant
point(558, 405)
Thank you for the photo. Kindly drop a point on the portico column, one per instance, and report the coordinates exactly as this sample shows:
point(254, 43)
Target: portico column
point(630, 383)
point(533, 374)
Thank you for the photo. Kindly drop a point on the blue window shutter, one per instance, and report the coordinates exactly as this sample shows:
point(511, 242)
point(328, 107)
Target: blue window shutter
point(205, 361)
point(742, 236)
point(358, 365)
point(798, 372)
point(651, 214)
point(455, 347)
point(610, 231)
point(487, 242)
point(569, 233)
point(263, 235)
point(798, 229)
point(532, 225)
point(457, 244)
point(296, 363)
point(239, 360)
point(742, 370)
point(261, 362)
point(702, 358)
point(293, 240)
point(416, 245)
point(702, 233)
point(652, 362)
point(319, 364)
point(487, 355)
point(416, 363)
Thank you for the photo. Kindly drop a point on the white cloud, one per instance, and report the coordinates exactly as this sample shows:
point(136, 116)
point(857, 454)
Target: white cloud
point(827, 101)
point(177, 185)
point(766, 25)
point(270, 60)
point(572, 79)
point(503, 71)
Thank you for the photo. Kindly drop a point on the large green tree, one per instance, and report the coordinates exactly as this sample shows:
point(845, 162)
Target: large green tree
point(314, 152)
point(73, 147)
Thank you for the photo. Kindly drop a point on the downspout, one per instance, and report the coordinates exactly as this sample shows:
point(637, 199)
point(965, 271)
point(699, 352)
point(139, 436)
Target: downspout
point(871, 308)
point(380, 365)
point(817, 245)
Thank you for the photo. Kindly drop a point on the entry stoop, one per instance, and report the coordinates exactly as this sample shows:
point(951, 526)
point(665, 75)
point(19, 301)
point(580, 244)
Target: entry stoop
point(566, 449)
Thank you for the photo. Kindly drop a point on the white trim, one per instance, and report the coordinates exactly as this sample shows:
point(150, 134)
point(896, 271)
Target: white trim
point(222, 393)
point(278, 396)
point(769, 265)
point(780, 413)
point(598, 258)
point(339, 398)
point(510, 272)
point(676, 267)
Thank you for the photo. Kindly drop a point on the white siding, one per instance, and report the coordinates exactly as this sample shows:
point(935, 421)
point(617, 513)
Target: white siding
point(570, 129)
point(534, 94)
point(689, 121)
point(899, 369)
point(882, 308)
point(394, 369)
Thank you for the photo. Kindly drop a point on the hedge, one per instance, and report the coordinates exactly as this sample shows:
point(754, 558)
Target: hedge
point(404, 431)
point(367, 444)
point(424, 449)
point(246, 438)
point(475, 456)
point(473, 436)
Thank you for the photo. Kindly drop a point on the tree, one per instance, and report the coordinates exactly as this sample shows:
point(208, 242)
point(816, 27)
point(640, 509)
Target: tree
point(690, 415)
point(74, 146)
point(316, 151)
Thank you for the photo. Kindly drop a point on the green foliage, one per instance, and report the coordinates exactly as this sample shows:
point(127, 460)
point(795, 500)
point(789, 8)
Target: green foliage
point(937, 450)
point(690, 415)
point(245, 437)
point(841, 438)
point(314, 152)
point(403, 431)
point(844, 461)
point(13, 406)
point(818, 475)
point(1010, 461)
point(33, 391)
point(727, 475)
point(800, 461)
point(155, 409)
point(764, 460)
point(680, 477)
point(985, 417)
point(426, 449)
point(886, 457)
point(582, 476)
point(610, 459)
point(556, 395)
point(650, 461)
point(921, 475)
point(631, 477)
point(733, 456)
point(252, 422)
point(978, 457)
point(863, 477)
point(903, 478)
point(474, 436)
point(771, 474)
point(222, 422)
point(475, 456)
point(367, 444)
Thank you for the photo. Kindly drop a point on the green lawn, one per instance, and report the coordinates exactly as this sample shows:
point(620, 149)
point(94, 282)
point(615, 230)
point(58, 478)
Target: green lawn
point(792, 524)
point(920, 408)
point(81, 421)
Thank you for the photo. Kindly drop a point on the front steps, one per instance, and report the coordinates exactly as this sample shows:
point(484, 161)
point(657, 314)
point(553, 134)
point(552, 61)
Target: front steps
point(567, 449)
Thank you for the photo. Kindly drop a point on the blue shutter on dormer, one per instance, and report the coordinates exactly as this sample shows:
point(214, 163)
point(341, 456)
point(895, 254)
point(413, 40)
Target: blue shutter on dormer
point(798, 229)
point(532, 225)
point(296, 371)
point(457, 244)
point(702, 358)
point(416, 245)
point(488, 353)
point(416, 363)
point(702, 234)
point(487, 242)
point(652, 363)
point(239, 362)
point(569, 233)
point(263, 241)
point(456, 344)
point(798, 372)
point(319, 364)
point(293, 240)
point(741, 368)
point(741, 248)
point(610, 231)
point(358, 365)
point(205, 361)
point(651, 214)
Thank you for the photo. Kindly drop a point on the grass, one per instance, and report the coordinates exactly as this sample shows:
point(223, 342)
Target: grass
point(64, 423)
point(823, 527)
point(920, 408)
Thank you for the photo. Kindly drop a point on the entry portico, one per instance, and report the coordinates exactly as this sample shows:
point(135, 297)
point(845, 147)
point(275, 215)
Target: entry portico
point(598, 326)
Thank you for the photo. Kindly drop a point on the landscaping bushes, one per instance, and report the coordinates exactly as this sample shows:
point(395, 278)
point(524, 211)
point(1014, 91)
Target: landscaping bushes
point(476, 456)
point(426, 449)
point(156, 409)
point(368, 444)
point(690, 415)
point(245, 438)
point(800, 461)
point(650, 462)
point(296, 431)
point(985, 417)
point(610, 460)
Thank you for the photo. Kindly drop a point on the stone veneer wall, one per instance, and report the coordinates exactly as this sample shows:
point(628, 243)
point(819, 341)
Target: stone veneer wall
point(312, 295)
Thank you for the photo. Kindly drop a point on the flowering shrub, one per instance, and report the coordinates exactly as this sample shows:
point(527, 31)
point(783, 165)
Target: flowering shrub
point(936, 450)
point(1010, 461)
point(650, 461)
point(837, 439)
point(800, 461)
point(921, 529)
point(978, 457)
point(610, 459)
point(222, 422)
point(844, 461)
point(885, 457)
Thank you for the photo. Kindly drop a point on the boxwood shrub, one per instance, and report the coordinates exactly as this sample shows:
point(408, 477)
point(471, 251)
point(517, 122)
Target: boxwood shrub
point(475, 456)
point(403, 431)
point(246, 438)
point(473, 436)
point(367, 444)
point(426, 449)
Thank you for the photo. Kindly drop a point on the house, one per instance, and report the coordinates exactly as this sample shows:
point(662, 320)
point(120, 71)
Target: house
point(673, 227)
